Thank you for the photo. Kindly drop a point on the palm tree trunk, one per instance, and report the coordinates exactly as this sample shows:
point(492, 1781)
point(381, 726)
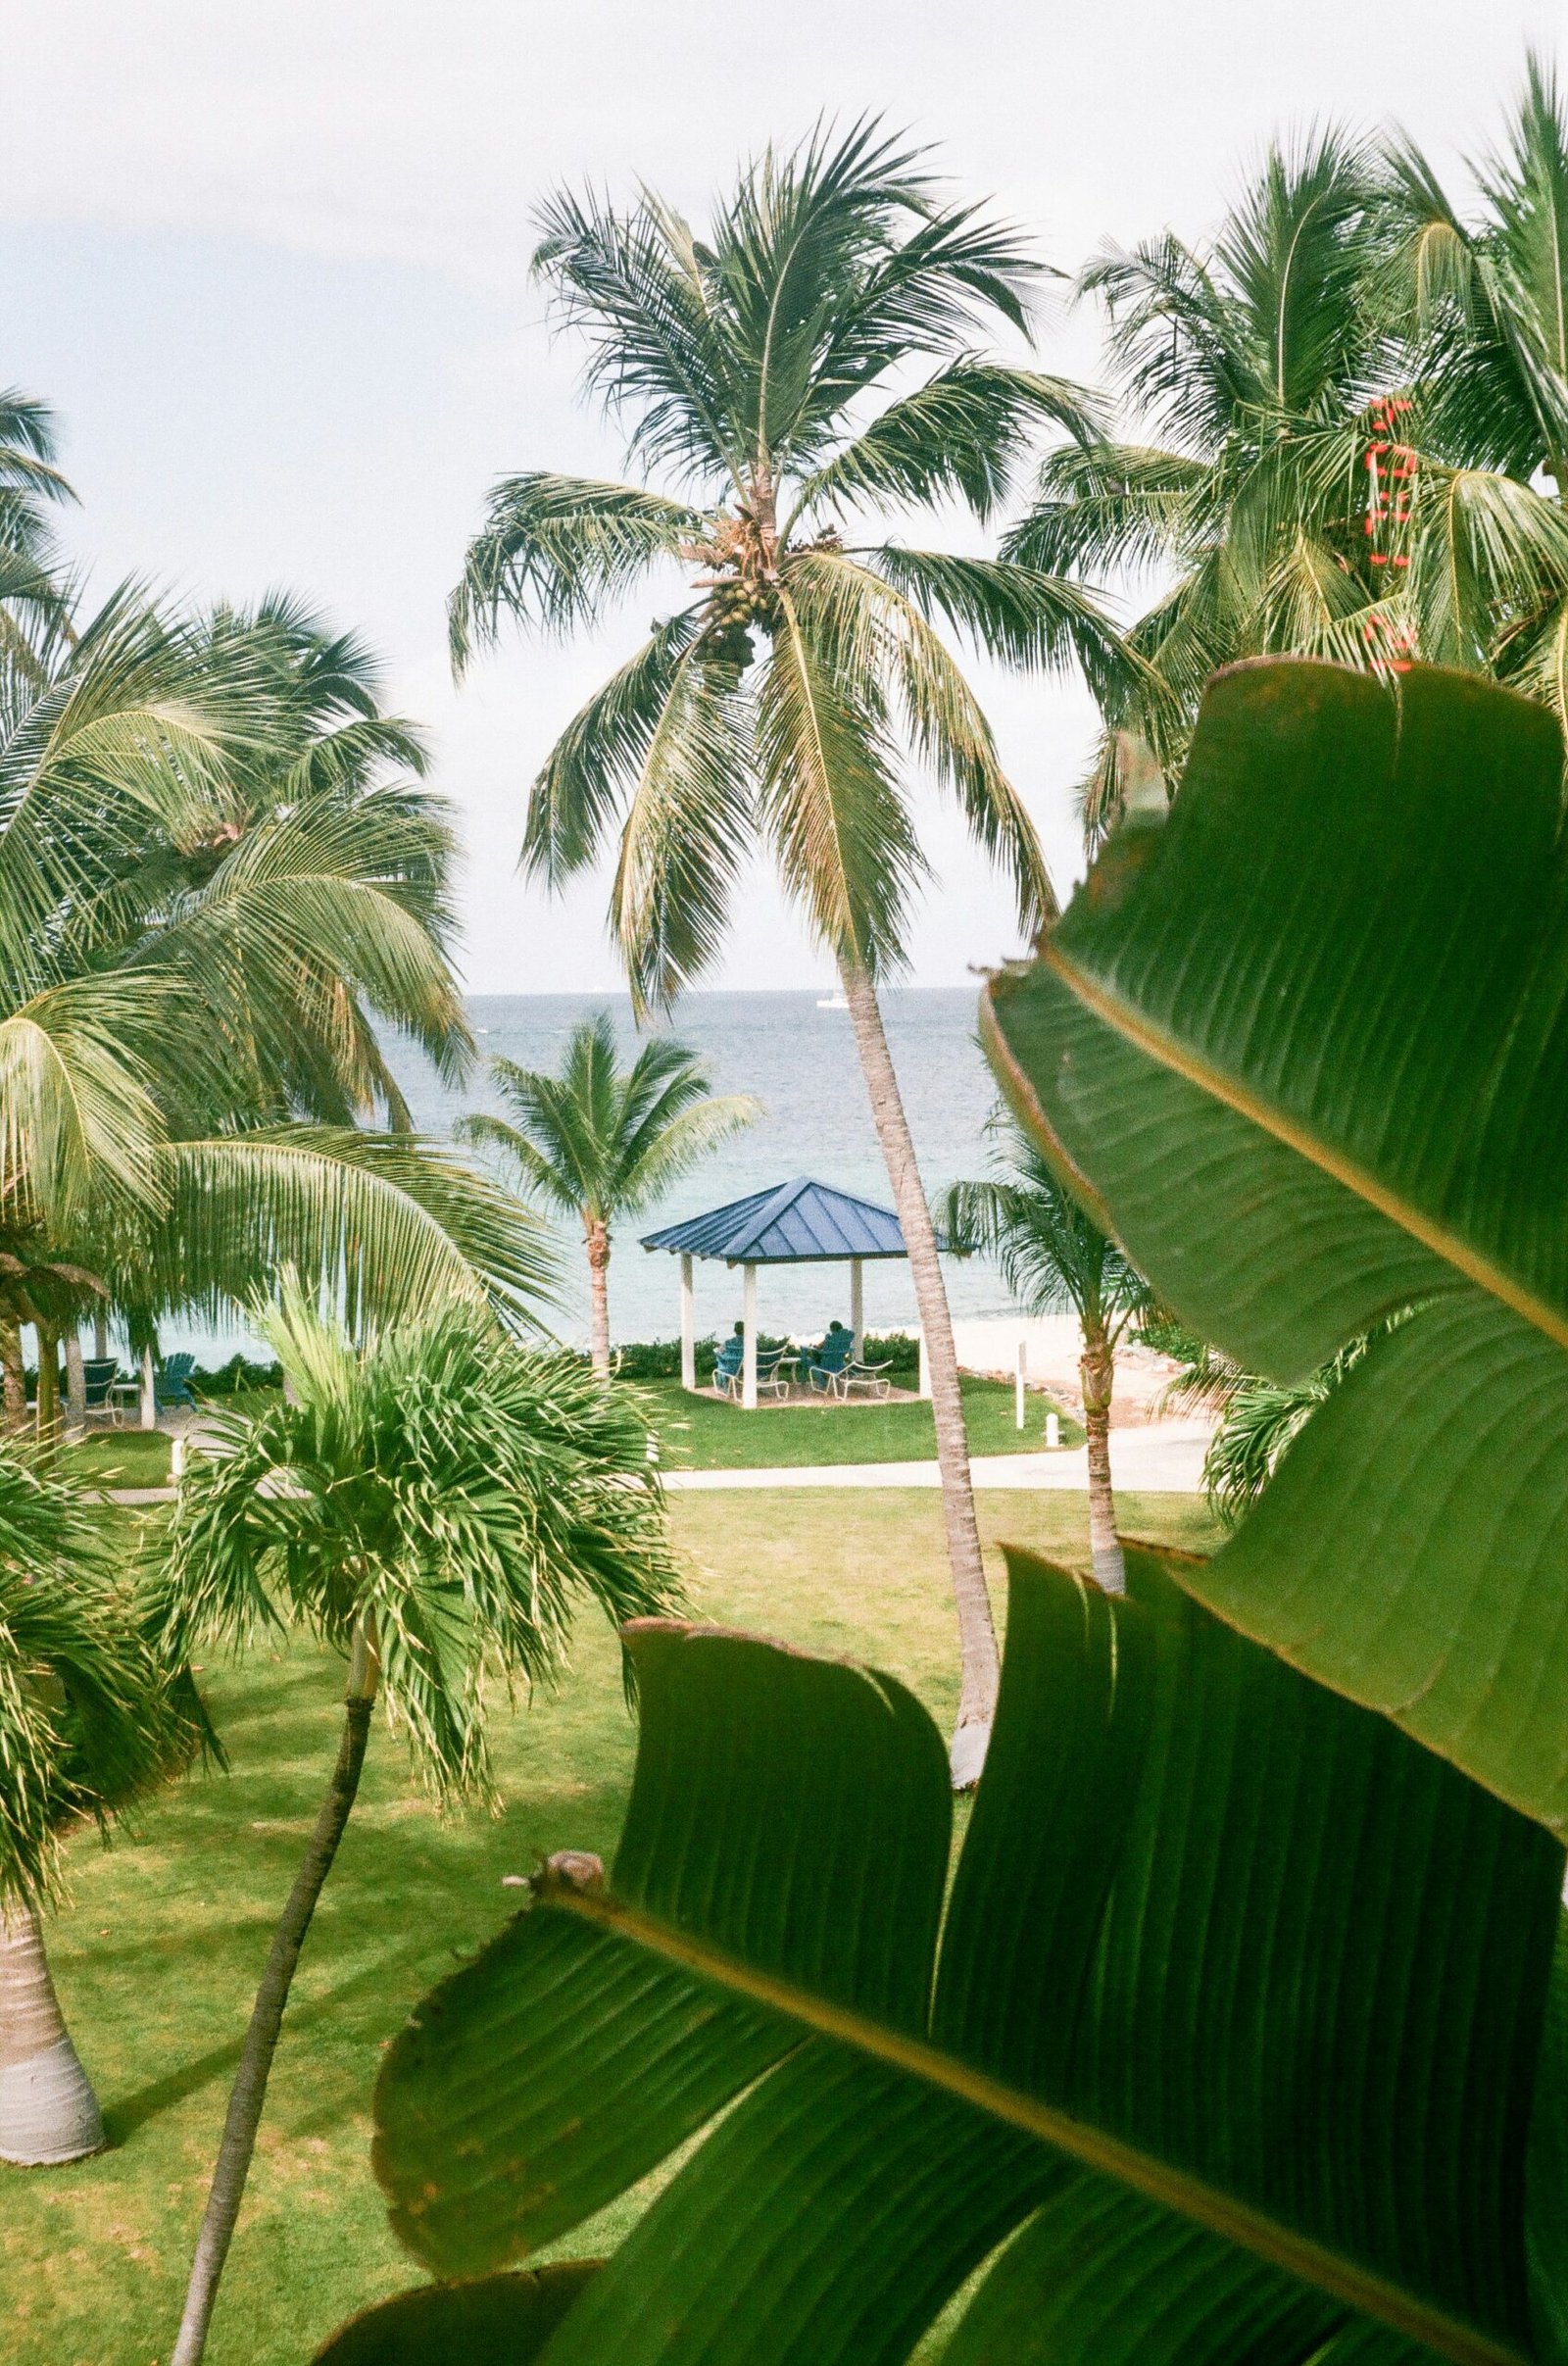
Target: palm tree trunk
point(266, 2015)
point(977, 1635)
point(48, 2111)
point(597, 1295)
point(75, 1387)
point(1097, 1370)
point(15, 1375)
point(48, 1386)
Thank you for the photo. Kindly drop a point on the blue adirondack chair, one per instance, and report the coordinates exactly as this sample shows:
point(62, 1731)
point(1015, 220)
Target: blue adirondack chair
point(823, 1364)
point(171, 1383)
point(727, 1368)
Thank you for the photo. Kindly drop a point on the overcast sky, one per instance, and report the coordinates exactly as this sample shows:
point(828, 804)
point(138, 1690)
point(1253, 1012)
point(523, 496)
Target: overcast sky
point(269, 261)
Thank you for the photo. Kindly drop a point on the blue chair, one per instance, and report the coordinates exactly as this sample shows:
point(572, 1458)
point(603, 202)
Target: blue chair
point(823, 1364)
point(99, 1374)
point(727, 1368)
point(171, 1383)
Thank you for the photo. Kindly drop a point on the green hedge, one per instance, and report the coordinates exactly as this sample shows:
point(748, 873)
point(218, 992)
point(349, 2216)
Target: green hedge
point(659, 1358)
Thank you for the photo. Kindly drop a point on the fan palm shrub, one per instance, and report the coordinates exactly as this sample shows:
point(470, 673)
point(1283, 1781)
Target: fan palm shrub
point(1056, 1261)
point(792, 377)
point(599, 1142)
point(435, 1508)
point(87, 1720)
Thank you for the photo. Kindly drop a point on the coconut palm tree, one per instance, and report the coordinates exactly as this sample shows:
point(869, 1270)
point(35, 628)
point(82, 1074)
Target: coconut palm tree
point(794, 374)
point(1481, 309)
point(598, 1141)
point(1248, 366)
point(435, 1508)
point(34, 596)
point(86, 1721)
point(1359, 406)
point(218, 873)
point(1055, 1260)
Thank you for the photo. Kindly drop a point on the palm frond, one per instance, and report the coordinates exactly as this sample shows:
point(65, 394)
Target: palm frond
point(873, 630)
point(88, 1719)
point(827, 766)
point(594, 767)
point(382, 1225)
point(637, 289)
point(456, 1497)
point(962, 434)
point(1100, 506)
point(555, 549)
point(687, 832)
point(1036, 623)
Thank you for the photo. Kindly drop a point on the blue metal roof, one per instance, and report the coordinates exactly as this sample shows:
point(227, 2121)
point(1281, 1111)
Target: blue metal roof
point(796, 1223)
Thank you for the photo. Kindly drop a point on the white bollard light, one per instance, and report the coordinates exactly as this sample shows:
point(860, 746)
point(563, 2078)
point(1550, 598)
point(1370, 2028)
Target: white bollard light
point(176, 1460)
point(1053, 1429)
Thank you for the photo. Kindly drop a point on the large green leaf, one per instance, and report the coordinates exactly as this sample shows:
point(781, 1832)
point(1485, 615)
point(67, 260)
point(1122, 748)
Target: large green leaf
point(1304, 1047)
point(1236, 2014)
point(497, 2321)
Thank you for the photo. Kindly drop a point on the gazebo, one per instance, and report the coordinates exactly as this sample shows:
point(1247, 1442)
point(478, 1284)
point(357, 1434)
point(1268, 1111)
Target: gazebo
point(798, 1223)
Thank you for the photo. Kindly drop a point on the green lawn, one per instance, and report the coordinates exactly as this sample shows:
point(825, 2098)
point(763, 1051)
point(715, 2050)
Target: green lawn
point(157, 1953)
point(704, 1432)
point(120, 1457)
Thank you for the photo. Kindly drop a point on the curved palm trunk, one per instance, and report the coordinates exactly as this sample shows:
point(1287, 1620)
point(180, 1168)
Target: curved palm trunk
point(598, 1235)
point(15, 1375)
point(977, 1635)
point(1096, 1369)
point(48, 2111)
point(266, 2015)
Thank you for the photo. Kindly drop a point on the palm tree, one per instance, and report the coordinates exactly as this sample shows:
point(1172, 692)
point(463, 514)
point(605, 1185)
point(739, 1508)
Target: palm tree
point(35, 601)
point(790, 696)
point(1249, 365)
point(86, 1722)
point(435, 1508)
point(1481, 310)
point(599, 1142)
point(1360, 407)
point(1055, 1260)
point(218, 873)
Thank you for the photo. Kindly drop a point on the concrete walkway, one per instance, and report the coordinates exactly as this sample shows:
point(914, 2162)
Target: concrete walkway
point(1165, 1459)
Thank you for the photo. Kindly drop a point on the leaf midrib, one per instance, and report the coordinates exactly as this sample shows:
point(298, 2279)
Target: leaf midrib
point(1160, 2181)
point(1179, 1060)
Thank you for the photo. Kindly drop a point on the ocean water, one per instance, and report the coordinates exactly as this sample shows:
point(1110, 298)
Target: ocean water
point(800, 1061)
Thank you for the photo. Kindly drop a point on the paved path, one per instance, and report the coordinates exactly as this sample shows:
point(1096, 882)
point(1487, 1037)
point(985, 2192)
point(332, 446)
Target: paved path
point(1166, 1458)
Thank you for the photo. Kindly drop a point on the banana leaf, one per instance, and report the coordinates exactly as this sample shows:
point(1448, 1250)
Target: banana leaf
point(1303, 1046)
point(1235, 2035)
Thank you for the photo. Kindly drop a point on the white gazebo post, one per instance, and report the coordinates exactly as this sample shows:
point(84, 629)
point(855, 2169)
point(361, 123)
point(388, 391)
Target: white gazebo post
point(857, 1307)
point(1017, 1386)
point(688, 1326)
point(149, 1393)
point(749, 1342)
